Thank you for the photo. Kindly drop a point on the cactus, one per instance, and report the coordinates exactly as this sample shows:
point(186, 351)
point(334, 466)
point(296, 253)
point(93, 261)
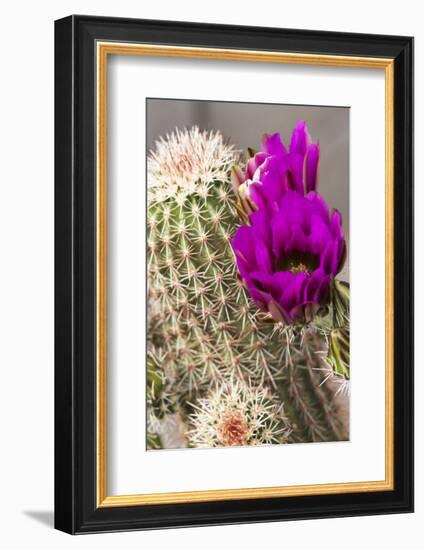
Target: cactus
point(310, 390)
point(205, 332)
point(339, 335)
point(237, 414)
point(201, 315)
point(160, 398)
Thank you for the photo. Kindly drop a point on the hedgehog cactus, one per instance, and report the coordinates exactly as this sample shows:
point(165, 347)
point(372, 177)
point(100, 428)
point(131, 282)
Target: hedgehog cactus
point(204, 328)
point(310, 391)
point(200, 312)
point(237, 414)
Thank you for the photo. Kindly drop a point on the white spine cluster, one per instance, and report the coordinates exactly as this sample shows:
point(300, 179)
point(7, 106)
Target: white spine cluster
point(237, 414)
point(185, 160)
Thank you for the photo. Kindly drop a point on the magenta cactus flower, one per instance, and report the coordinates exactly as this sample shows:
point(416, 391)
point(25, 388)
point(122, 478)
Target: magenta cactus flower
point(293, 247)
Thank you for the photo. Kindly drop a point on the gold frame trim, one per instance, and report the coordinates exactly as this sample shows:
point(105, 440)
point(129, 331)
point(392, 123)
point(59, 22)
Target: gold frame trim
point(104, 49)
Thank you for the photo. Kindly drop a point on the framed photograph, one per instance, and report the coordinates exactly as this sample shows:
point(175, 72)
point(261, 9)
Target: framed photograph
point(234, 274)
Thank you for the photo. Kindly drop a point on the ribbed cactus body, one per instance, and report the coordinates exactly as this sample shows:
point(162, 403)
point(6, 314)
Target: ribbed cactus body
point(339, 336)
point(312, 396)
point(200, 313)
point(160, 397)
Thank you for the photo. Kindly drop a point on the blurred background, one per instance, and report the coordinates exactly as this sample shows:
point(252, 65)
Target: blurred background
point(243, 124)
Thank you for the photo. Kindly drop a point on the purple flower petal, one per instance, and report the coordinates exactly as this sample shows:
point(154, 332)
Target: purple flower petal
point(263, 259)
point(311, 167)
point(254, 163)
point(320, 234)
point(272, 144)
point(295, 174)
point(281, 232)
point(336, 224)
point(341, 252)
point(262, 227)
point(278, 312)
point(261, 297)
point(300, 139)
point(243, 244)
point(314, 286)
point(328, 258)
point(293, 292)
point(320, 205)
point(297, 242)
point(275, 283)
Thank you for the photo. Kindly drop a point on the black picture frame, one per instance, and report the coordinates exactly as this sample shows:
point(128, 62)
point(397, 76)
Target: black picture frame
point(76, 510)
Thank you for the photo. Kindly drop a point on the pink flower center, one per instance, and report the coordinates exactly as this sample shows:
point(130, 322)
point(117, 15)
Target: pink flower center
point(233, 429)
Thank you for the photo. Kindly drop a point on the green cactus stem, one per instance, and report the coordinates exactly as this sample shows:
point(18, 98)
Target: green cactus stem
point(339, 335)
point(309, 391)
point(201, 315)
point(160, 398)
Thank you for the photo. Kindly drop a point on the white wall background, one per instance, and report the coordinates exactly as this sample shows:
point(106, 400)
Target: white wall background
point(26, 274)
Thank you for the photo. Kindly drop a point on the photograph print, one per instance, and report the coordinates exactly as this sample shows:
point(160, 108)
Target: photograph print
point(247, 274)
